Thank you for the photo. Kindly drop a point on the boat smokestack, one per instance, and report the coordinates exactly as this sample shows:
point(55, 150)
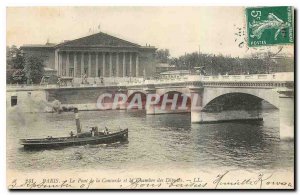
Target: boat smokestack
point(77, 120)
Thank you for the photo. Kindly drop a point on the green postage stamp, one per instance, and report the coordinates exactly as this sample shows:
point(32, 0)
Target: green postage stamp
point(269, 25)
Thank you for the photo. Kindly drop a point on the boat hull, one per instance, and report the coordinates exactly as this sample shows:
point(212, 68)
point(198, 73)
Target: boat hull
point(121, 136)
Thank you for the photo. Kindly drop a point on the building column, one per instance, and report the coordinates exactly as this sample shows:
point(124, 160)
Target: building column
point(117, 65)
point(60, 64)
point(124, 66)
point(103, 64)
point(130, 64)
point(67, 64)
point(110, 65)
point(82, 63)
point(97, 65)
point(137, 65)
point(90, 65)
point(75, 64)
point(56, 62)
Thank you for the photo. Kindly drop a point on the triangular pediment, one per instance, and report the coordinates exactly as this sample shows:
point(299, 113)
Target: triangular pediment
point(98, 40)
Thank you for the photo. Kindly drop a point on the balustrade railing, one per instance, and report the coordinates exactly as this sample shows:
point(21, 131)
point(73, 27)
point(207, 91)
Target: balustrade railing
point(284, 76)
point(116, 81)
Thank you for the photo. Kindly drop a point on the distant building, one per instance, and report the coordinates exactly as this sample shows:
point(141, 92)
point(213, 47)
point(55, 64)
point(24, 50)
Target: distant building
point(97, 55)
point(282, 63)
point(163, 67)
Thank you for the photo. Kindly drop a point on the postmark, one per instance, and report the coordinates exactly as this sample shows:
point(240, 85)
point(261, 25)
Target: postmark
point(269, 25)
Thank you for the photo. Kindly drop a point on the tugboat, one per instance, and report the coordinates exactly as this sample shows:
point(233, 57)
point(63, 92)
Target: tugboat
point(91, 137)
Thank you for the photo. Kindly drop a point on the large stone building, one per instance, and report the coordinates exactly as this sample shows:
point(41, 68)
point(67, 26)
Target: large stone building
point(97, 55)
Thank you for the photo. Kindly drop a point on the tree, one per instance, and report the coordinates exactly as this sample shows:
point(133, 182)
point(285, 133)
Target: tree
point(218, 64)
point(14, 65)
point(162, 55)
point(34, 69)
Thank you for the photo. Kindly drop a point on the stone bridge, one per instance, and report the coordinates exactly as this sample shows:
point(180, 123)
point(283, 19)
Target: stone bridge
point(276, 89)
point(212, 97)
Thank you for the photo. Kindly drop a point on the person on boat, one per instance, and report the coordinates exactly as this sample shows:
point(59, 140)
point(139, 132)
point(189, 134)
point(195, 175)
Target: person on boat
point(96, 131)
point(93, 131)
point(106, 132)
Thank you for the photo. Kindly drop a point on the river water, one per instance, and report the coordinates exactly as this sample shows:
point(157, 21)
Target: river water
point(155, 142)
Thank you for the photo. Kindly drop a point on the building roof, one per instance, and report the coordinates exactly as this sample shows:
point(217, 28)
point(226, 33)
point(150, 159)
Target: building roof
point(95, 40)
point(98, 40)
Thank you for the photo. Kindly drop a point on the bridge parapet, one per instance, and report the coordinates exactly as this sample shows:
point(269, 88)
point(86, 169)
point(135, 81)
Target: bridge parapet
point(276, 80)
point(263, 80)
point(284, 76)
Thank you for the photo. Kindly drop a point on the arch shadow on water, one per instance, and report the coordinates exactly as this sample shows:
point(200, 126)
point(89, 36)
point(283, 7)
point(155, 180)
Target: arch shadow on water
point(244, 145)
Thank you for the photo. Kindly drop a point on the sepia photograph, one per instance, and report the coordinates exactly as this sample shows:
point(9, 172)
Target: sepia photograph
point(150, 97)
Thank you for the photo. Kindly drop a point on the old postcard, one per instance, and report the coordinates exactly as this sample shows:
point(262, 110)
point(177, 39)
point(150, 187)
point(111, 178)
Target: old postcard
point(150, 97)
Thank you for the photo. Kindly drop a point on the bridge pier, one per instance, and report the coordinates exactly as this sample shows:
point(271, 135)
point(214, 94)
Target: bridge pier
point(286, 115)
point(120, 100)
point(150, 110)
point(196, 104)
point(150, 104)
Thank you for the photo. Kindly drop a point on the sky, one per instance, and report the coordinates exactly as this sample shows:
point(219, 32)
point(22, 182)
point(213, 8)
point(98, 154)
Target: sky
point(179, 29)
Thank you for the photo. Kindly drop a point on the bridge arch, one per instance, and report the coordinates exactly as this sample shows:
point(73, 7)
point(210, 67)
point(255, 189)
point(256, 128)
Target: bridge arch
point(131, 92)
point(182, 90)
point(131, 95)
point(268, 95)
point(183, 101)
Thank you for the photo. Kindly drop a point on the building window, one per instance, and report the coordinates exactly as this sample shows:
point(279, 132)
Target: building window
point(14, 100)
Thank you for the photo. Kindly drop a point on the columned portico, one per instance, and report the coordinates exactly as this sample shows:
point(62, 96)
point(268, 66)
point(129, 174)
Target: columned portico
point(119, 64)
point(98, 55)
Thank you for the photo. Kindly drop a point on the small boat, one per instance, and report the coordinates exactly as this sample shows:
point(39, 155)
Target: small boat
point(79, 139)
